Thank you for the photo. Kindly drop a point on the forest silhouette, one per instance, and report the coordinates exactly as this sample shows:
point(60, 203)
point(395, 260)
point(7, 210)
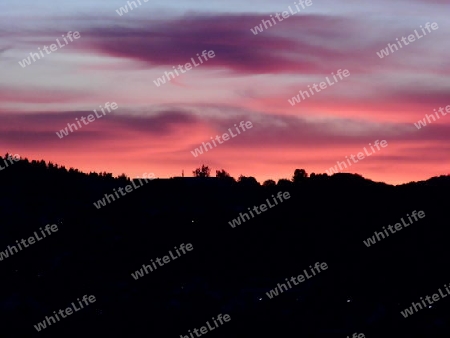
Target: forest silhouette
point(230, 270)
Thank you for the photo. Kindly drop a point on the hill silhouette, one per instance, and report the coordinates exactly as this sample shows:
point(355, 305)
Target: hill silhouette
point(230, 270)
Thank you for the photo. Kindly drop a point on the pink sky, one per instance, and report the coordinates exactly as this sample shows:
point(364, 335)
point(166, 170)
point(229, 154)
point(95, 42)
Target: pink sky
point(250, 78)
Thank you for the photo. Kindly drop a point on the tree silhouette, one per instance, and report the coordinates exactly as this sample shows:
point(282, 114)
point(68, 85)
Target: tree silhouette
point(269, 183)
point(204, 171)
point(123, 177)
point(247, 181)
point(222, 174)
point(284, 183)
point(299, 175)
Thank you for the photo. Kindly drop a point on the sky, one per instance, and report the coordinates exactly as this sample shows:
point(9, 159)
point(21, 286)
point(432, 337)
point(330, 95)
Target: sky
point(252, 77)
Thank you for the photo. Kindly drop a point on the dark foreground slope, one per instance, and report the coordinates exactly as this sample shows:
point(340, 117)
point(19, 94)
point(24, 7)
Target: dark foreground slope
point(229, 269)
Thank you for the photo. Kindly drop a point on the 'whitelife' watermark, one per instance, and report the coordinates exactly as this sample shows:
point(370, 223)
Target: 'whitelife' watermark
point(360, 156)
point(300, 278)
point(423, 123)
point(323, 85)
point(284, 14)
point(417, 306)
point(128, 188)
point(90, 118)
point(262, 207)
point(225, 137)
point(53, 48)
point(411, 38)
point(188, 66)
point(123, 10)
point(12, 159)
point(27, 242)
point(204, 329)
point(166, 259)
point(371, 240)
point(65, 313)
